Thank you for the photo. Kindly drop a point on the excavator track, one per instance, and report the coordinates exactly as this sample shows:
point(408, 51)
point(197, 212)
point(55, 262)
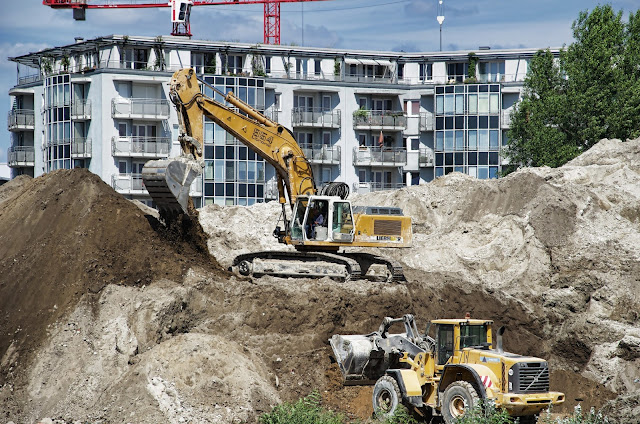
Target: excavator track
point(297, 264)
point(391, 269)
point(344, 266)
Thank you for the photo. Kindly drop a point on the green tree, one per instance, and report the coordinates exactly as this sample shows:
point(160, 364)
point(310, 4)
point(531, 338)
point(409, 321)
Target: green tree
point(538, 134)
point(591, 92)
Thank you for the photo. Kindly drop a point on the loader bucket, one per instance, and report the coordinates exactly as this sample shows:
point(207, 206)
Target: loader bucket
point(357, 358)
point(168, 182)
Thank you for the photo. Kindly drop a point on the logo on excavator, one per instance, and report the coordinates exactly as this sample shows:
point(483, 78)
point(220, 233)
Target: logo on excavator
point(262, 136)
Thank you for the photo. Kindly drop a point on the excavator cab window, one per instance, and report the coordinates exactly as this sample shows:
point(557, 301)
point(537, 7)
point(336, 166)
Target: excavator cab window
point(298, 219)
point(445, 343)
point(316, 221)
point(472, 335)
point(342, 222)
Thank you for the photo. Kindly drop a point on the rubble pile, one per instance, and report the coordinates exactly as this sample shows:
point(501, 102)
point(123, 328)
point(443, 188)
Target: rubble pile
point(106, 319)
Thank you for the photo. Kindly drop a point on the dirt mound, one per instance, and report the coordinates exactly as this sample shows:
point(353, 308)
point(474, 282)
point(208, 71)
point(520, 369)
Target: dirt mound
point(550, 253)
point(65, 235)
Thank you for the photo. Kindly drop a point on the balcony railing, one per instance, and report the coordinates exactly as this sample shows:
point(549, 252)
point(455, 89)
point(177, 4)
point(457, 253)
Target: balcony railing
point(315, 117)
point(426, 121)
point(505, 119)
point(81, 147)
point(141, 147)
point(425, 157)
point(81, 109)
point(376, 156)
point(139, 108)
point(20, 119)
point(196, 187)
point(371, 187)
point(20, 156)
point(28, 79)
point(379, 119)
point(369, 79)
point(272, 114)
point(128, 184)
point(317, 154)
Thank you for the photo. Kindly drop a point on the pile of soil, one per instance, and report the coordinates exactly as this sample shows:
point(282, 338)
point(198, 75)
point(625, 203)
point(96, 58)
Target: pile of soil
point(67, 235)
point(134, 325)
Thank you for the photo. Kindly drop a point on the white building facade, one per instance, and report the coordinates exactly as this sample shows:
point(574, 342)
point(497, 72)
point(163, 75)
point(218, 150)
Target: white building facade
point(374, 120)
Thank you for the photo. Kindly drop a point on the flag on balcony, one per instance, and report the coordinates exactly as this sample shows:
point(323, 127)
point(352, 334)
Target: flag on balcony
point(381, 140)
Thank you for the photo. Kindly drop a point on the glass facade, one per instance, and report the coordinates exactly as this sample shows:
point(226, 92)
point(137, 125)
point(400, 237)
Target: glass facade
point(233, 174)
point(57, 114)
point(467, 130)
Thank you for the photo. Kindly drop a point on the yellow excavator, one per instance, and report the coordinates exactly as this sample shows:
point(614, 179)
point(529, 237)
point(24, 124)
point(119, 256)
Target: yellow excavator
point(322, 221)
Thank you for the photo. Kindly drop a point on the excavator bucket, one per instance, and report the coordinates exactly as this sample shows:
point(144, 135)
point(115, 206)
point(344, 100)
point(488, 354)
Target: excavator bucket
point(168, 182)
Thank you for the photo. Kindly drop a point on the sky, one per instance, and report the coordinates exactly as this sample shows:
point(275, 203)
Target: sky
point(396, 25)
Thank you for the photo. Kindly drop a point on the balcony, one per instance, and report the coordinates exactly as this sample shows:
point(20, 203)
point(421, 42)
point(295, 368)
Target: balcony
point(315, 117)
point(128, 184)
point(379, 120)
point(81, 148)
point(141, 147)
point(425, 158)
point(426, 121)
point(360, 188)
point(21, 120)
point(376, 156)
point(81, 110)
point(152, 109)
point(20, 156)
point(321, 154)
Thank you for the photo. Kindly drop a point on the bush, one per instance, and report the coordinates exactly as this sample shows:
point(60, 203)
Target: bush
point(485, 413)
point(578, 417)
point(401, 416)
point(305, 411)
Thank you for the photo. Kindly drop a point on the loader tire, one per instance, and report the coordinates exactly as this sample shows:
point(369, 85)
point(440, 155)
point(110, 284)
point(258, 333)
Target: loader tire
point(386, 397)
point(458, 398)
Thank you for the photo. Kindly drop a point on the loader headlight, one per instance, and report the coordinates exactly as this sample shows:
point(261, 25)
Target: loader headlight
point(511, 371)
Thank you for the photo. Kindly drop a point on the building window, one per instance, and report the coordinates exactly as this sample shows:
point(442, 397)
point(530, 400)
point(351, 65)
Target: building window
point(232, 64)
point(491, 71)
point(317, 67)
point(426, 71)
point(467, 130)
point(457, 72)
point(233, 174)
point(58, 122)
point(203, 63)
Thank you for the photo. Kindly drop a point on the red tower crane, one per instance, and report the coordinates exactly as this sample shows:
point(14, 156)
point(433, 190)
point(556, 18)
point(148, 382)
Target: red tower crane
point(180, 11)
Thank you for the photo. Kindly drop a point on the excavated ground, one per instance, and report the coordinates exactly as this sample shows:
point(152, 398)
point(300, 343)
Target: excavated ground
point(106, 318)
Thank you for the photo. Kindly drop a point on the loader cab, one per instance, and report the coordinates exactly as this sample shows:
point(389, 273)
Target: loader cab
point(321, 220)
point(453, 335)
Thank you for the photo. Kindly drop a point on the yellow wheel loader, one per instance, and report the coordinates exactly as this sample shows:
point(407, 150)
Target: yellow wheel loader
point(318, 243)
point(446, 375)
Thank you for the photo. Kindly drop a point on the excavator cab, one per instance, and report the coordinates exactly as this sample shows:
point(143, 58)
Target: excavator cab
point(321, 219)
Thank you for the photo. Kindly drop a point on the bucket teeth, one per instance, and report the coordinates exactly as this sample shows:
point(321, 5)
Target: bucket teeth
point(168, 182)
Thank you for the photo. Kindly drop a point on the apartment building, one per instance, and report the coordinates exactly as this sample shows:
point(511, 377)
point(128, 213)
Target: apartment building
point(374, 120)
